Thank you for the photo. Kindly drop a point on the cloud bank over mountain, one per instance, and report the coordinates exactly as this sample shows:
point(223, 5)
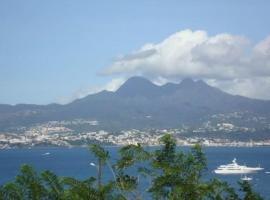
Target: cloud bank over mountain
point(112, 85)
point(227, 61)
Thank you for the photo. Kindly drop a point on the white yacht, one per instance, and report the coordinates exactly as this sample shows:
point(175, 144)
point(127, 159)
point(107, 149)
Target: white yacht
point(234, 168)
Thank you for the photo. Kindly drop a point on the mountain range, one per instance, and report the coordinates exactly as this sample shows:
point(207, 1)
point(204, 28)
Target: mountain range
point(139, 103)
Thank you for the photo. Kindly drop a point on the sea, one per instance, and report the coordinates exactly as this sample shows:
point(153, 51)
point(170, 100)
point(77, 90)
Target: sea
point(76, 161)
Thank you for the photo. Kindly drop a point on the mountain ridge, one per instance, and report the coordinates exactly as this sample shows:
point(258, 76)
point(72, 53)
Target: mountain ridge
point(169, 105)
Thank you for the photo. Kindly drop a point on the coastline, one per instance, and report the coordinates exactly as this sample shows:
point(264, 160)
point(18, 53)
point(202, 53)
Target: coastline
point(242, 145)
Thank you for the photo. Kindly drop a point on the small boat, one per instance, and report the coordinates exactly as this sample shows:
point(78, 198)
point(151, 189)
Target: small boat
point(46, 154)
point(267, 172)
point(234, 168)
point(246, 178)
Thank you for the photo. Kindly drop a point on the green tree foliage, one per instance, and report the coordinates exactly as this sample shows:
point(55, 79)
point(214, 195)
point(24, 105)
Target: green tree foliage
point(102, 156)
point(180, 173)
point(53, 185)
point(171, 175)
point(249, 194)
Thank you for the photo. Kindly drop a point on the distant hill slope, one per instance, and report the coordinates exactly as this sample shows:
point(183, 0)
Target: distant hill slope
point(139, 103)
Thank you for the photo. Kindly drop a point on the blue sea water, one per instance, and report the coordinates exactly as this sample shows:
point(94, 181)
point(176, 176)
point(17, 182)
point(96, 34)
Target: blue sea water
point(76, 162)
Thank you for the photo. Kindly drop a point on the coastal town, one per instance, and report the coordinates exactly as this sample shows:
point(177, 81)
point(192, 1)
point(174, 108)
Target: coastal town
point(60, 133)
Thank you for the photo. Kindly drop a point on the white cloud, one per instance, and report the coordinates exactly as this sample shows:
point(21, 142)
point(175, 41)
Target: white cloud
point(254, 88)
point(113, 85)
point(229, 61)
point(263, 47)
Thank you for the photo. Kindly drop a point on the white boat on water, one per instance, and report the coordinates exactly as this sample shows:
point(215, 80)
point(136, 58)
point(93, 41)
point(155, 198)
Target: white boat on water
point(46, 154)
point(234, 168)
point(246, 178)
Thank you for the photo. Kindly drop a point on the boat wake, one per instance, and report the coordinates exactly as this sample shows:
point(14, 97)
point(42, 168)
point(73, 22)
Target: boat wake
point(46, 154)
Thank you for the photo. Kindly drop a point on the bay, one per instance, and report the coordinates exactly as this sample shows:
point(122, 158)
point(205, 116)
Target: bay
point(76, 162)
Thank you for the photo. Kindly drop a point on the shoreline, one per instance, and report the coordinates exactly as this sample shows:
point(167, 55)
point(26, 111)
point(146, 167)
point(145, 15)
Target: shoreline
point(145, 146)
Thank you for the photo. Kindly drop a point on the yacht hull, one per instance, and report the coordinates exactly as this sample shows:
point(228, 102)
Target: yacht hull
point(234, 171)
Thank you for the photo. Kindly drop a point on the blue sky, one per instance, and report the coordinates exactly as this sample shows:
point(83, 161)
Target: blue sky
point(49, 50)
